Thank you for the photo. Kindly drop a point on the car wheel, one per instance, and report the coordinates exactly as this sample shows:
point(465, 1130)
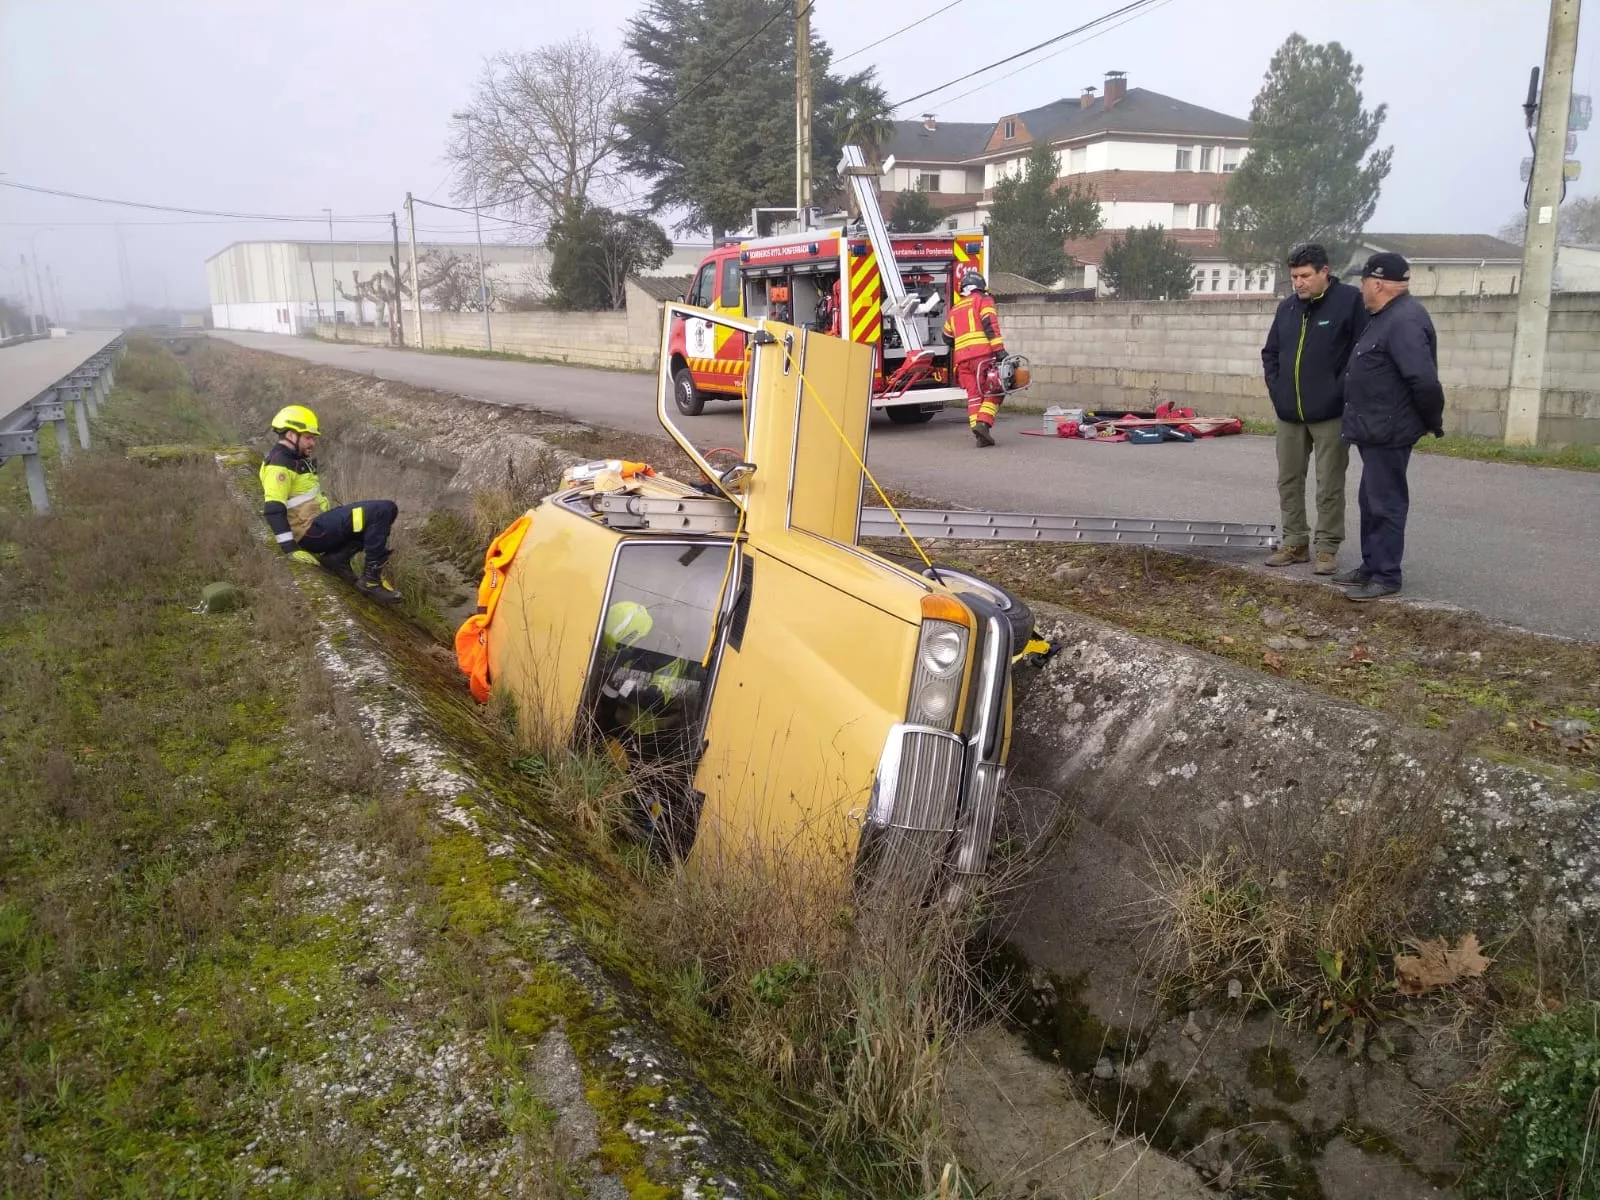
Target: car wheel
point(904, 414)
point(1012, 607)
point(689, 400)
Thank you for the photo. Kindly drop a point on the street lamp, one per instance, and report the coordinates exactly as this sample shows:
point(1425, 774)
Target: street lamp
point(477, 221)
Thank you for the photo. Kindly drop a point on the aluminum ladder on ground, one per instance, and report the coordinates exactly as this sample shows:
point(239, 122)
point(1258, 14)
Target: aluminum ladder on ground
point(979, 526)
point(714, 514)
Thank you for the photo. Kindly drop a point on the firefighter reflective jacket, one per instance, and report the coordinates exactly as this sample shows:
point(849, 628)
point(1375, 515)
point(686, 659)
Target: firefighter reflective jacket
point(973, 328)
point(472, 639)
point(293, 495)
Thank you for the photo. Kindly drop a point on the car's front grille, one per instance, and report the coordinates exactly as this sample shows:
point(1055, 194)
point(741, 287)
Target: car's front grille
point(919, 789)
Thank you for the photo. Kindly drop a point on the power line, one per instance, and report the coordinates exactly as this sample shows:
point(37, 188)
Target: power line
point(193, 212)
point(1084, 28)
point(1069, 46)
point(904, 28)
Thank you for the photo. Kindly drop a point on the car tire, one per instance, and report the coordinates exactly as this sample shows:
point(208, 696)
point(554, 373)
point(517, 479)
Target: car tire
point(684, 393)
point(1012, 607)
point(904, 414)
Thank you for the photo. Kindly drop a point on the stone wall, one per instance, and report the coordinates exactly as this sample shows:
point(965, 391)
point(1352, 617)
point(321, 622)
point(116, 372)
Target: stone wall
point(1208, 355)
point(1110, 353)
point(627, 340)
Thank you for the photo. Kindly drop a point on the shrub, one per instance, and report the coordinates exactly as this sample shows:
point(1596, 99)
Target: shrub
point(1544, 1140)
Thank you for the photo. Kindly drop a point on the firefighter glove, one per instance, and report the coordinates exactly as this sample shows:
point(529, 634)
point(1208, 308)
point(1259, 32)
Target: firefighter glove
point(305, 556)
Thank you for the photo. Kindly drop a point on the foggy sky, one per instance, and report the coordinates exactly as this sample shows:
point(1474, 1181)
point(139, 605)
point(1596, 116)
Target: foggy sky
point(292, 107)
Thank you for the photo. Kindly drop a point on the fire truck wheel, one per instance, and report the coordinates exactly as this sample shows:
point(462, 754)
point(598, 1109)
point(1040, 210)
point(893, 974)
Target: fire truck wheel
point(1015, 611)
point(905, 414)
point(689, 400)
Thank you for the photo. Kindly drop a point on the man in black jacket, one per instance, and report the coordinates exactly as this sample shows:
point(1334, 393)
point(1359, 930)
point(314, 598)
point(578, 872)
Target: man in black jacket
point(1392, 396)
point(1304, 362)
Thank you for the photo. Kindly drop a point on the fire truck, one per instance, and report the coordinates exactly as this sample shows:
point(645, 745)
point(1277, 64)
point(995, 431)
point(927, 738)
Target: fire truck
point(832, 280)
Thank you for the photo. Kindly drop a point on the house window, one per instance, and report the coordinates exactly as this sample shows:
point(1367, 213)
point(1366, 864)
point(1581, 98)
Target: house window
point(1216, 279)
point(1206, 157)
point(1078, 160)
point(1180, 216)
point(1185, 158)
point(1010, 128)
point(928, 181)
point(1230, 158)
point(1233, 281)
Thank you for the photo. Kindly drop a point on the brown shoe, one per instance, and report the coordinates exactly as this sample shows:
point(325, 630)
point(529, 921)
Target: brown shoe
point(1285, 555)
point(1327, 563)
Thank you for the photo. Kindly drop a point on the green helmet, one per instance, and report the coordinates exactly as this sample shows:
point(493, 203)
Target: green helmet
point(627, 622)
point(296, 418)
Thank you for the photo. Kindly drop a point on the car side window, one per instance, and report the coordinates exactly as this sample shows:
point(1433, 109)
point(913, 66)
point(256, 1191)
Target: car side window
point(728, 293)
point(700, 293)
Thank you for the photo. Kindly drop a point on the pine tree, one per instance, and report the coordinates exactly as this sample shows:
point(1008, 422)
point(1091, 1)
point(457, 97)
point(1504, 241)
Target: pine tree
point(1032, 218)
point(1311, 174)
point(913, 212)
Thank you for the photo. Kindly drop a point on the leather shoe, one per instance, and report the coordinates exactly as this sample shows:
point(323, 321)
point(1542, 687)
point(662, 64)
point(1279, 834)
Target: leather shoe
point(1372, 590)
point(1354, 576)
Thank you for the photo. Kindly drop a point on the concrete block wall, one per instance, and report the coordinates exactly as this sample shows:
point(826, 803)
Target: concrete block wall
point(1208, 355)
point(627, 340)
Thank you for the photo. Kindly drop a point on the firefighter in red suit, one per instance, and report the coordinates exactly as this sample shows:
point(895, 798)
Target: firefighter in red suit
point(973, 331)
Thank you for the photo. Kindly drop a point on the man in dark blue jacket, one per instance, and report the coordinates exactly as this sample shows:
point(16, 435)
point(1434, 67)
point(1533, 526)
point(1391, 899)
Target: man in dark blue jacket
point(1392, 396)
point(1304, 362)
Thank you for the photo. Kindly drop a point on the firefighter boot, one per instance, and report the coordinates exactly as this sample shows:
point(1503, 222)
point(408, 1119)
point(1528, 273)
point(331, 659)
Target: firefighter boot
point(373, 584)
point(981, 432)
point(338, 562)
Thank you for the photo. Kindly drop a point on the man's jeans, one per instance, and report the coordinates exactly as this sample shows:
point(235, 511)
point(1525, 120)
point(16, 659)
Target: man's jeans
point(1297, 445)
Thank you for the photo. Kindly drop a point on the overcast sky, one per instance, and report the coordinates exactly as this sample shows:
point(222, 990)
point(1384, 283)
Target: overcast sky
point(293, 106)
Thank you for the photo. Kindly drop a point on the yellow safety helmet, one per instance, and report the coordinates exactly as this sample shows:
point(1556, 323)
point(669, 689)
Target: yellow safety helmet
point(296, 418)
point(626, 623)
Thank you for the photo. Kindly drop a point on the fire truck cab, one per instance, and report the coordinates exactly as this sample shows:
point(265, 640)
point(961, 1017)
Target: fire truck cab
point(829, 280)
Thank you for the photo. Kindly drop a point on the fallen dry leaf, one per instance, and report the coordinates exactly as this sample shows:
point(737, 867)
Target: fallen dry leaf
point(1436, 964)
point(1226, 640)
point(1360, 654)
point(1537, 726)
point(1273, 661)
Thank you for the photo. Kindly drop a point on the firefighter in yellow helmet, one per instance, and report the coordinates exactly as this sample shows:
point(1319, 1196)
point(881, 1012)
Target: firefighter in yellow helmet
point(646, 687)
point(973, 331)
point(307, 524)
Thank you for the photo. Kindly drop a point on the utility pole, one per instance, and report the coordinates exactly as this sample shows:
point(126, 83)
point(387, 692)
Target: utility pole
point(477, 221)
point(416, 279)
point(55, 294)
point(1525, 401)
point(802, 110)
point(333, 279)
point(27, 291)
point(397, 325)
point(38, 284)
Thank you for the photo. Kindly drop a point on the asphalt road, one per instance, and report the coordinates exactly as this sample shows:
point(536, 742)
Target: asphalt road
point(27, 368)
point(1518, 544)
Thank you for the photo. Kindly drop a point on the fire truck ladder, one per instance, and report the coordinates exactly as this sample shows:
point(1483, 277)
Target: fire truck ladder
point(714, 514)
point(896, 301)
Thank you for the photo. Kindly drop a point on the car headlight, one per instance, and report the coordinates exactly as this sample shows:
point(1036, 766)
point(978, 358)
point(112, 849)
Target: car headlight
point(936, 683)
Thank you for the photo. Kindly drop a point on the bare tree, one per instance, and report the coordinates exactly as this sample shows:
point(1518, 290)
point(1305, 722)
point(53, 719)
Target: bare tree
point(542, 130)
point(376, 289)
point(450, 281)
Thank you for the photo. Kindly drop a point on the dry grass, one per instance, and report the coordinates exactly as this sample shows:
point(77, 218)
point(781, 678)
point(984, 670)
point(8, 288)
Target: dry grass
point(1248, 918)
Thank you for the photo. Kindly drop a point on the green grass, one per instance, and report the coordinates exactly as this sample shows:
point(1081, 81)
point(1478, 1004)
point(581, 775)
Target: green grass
point(1482, 449)
point(188, 960)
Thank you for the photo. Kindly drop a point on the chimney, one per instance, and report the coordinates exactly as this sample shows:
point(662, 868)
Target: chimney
point(1087, 99)
point(1116, 87)
point(929, 123)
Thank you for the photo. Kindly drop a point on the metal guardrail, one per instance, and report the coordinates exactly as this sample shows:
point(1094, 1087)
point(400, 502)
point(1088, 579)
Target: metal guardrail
point(85, 389)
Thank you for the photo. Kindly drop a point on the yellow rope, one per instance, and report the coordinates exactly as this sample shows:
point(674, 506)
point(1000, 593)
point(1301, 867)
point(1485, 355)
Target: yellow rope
point(860, 462)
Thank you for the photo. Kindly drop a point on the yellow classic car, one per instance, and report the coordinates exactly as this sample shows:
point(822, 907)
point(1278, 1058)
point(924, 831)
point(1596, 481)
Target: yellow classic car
point(773, 684)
